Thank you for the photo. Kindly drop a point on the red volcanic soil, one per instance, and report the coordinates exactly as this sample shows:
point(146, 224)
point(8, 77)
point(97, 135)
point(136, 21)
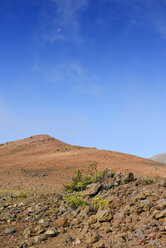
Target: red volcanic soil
point(44, 163)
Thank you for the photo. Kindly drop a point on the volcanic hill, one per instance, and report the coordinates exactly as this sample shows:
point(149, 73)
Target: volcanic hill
point(43, 163)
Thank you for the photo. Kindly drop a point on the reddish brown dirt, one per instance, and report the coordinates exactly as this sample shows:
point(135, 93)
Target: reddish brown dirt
point(44, 163)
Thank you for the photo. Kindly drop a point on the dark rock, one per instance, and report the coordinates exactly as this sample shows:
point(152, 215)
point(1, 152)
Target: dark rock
point(23, 245)
point(44, 209)
point(10, 231)
point(68, 239)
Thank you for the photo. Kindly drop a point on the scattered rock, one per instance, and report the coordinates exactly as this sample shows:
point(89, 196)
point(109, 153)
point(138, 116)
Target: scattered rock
point(144, 180)
point(62, 222)
point(77, 242)
point(163, 182)
point(93, 238)
point(128, 177)
point(51, 233)
point(99, 244)
point(161, 214)
point(161, 204)
point(68, 239)
point(135, 216)
point(41, 221)
point(103, 214)
point(139, 234)
point(36, 239)
point(154, 243)
point(10, 231)
point(92, 190)
point(164, 195)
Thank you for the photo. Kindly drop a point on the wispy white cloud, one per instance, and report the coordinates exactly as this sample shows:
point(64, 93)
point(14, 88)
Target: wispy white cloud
point(76, 77)
point(62, 21)
point(144, 14)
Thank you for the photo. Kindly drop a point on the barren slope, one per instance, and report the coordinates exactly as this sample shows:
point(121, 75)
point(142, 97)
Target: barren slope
point(43, 163)
point(160, 158)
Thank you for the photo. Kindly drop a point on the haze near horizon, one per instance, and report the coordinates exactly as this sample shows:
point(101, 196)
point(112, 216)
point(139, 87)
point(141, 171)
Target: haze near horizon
point(89, 73)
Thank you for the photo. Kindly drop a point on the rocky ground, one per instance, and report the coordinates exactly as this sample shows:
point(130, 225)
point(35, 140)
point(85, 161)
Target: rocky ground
point(134, 216)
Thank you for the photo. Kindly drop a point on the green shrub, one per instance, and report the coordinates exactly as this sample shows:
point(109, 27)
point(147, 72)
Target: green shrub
point(98, 177)
point(149, 180)
point(80, 186)
point(77, 177)
point(88, 179)
point(98, 202)
point(22, 194)
point(80, 182)
point(75, 200)
point(70, 187)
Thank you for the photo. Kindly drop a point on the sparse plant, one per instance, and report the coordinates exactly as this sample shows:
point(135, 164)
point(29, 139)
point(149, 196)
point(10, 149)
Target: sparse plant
point(22, 194)
point(98, 177)
point(113, 172)
point(76, 183)
point(75, 200)
point(80, 182)
point(80, 186)
point(149, 180)
point(77, 177)
point(98, 202)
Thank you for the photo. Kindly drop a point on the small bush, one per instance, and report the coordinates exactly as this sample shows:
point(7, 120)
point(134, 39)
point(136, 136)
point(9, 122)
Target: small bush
point(113, 172)
point(70, 187)
point(88, 179)
point(22, 194)
point(75, 200)
point(149, 180)
point(98, 202)
point(98, 177)
point(80, 182)
point(80, 186)
point(77, 177)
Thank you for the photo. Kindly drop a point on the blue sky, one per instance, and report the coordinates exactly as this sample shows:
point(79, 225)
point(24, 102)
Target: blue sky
point(88, 72)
